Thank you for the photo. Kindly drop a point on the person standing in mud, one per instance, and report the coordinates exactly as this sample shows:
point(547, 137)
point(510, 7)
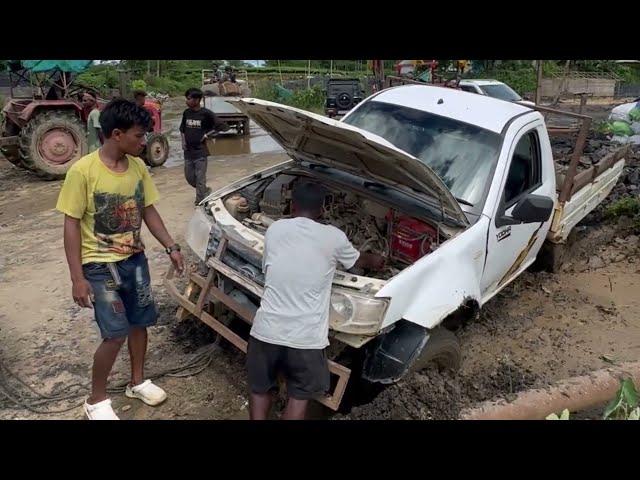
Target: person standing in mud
point(140, 97)
point(291, 328)
point(94, 131)
point(105, 197)
point(197, 123)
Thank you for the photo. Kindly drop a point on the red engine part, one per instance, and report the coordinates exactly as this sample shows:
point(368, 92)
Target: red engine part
point(410, 239)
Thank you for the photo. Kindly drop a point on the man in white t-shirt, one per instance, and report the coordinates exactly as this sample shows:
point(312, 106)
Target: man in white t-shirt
point(291, 328)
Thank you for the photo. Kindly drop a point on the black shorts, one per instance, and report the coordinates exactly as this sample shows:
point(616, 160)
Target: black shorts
point(305, 371)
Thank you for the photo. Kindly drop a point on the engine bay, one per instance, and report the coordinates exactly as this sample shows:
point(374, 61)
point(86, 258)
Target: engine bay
point(368, 224)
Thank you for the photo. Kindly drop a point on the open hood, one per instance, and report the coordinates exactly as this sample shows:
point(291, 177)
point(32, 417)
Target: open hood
point(309, 137)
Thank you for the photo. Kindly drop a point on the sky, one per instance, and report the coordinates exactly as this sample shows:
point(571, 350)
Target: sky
point(255, 63)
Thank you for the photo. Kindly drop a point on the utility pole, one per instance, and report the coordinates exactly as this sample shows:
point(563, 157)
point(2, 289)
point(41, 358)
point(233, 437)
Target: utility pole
point(539, 83)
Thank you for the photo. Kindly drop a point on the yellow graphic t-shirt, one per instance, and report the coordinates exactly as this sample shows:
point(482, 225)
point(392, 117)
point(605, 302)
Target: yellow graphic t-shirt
point(109, 205)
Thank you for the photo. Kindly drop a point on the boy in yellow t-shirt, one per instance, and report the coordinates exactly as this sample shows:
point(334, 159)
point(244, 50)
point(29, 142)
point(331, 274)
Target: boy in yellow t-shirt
point(105, 198)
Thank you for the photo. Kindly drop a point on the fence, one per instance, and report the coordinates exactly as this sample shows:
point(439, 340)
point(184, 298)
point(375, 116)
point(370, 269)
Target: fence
point(627, 90)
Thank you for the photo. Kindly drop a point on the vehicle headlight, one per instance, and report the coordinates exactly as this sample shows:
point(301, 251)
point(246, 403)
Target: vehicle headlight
point(356, 313)
point(198, 232)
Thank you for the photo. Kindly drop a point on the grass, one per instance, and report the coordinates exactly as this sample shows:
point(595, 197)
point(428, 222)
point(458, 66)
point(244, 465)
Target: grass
point(628, 207)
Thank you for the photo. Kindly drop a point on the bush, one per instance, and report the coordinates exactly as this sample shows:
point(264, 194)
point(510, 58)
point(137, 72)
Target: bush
point(100, 78)
point(624, 406)
point(265, 90)
point(169, 86)
point(306, 99)
point(309, 99)
point(138, 85)
point(629, 206)
point(522, 80)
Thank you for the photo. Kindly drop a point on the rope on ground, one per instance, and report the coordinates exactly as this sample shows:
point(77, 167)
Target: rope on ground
point(25, 396)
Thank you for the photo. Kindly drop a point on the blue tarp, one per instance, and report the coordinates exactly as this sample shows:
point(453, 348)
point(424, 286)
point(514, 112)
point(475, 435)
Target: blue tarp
point(69, 66)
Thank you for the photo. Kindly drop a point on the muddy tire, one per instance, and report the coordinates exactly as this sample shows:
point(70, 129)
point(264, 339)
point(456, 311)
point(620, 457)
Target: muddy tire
point(157, 150)
point(51, 142)
point(550, 257)
point(442, 349)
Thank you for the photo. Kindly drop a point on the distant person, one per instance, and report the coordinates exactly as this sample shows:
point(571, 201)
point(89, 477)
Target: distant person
point(140, 97)
point(95, 138)
point(197, 123)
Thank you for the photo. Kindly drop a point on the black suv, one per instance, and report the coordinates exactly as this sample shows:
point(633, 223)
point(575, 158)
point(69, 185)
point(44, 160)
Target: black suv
point(342, 95)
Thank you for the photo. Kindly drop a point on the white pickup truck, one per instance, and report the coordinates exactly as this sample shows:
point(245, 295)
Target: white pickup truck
point(458, 191)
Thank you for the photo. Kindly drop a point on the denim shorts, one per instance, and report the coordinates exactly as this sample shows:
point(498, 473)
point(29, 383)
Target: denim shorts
point(120, 307)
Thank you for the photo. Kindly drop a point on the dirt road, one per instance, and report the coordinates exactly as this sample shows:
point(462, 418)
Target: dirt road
point(542, 328)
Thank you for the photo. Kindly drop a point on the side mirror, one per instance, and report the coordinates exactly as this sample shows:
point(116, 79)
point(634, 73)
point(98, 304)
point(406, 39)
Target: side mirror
point(530, 209)
point(533, 209)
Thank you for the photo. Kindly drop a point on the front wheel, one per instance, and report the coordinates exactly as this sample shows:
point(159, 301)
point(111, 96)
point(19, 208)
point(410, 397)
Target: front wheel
point(442, 349)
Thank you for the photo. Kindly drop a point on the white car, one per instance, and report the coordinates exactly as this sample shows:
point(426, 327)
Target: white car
point(492, 88)
point(458, 191)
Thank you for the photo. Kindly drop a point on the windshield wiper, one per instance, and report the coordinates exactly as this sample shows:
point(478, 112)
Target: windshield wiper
point(464, 202)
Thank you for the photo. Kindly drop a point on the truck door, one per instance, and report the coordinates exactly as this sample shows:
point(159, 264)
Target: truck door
point(513, 247)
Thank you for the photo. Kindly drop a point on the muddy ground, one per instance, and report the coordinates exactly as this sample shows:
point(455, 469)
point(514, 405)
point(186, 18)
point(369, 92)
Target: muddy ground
point(542, 328)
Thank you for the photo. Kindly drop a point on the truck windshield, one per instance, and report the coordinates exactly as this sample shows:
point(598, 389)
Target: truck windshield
point(502, 92)
point(462, 155)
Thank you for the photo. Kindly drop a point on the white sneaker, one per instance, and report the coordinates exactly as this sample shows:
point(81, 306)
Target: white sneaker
point(100, 411)
point(148, 392)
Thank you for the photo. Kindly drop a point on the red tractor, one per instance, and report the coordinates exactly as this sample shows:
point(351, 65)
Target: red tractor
point(45, 130)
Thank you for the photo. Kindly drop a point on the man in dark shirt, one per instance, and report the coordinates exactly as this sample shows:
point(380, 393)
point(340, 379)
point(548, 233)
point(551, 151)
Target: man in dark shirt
point(197, 123)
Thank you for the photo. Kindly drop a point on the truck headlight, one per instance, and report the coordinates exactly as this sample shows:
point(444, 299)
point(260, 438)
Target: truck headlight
point(198, 232)
point(356, 313)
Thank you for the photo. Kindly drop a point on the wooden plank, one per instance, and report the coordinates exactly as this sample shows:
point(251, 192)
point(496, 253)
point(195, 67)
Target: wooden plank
point(250, 285)
point(331, 401)
point(207, 318)
point(245, 313)
point(220, 328)
point(222, 247)
point(202, 297)
point(217, 294)
point(182, 313)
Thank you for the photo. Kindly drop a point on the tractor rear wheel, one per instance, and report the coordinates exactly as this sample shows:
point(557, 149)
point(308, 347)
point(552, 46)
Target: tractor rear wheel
point(51, 142)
